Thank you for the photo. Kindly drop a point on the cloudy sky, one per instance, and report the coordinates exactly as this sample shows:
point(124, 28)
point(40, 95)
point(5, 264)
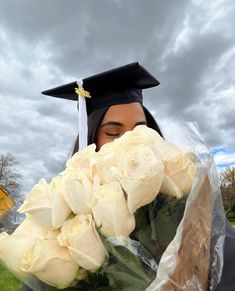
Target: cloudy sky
point(188, 45)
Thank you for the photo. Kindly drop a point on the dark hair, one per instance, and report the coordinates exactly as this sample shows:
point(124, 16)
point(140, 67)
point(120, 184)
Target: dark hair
point(95, 118)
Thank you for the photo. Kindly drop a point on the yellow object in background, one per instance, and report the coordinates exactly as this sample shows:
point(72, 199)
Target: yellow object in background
point(6, 203)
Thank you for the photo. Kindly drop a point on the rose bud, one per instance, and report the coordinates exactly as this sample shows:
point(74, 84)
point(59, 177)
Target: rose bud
point(81, 238)
point(50, 263)
point(111, 212)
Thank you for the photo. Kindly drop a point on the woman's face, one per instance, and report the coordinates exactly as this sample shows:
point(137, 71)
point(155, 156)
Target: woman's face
point(119, 119)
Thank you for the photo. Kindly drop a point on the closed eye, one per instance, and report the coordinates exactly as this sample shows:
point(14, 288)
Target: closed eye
point(112, 134)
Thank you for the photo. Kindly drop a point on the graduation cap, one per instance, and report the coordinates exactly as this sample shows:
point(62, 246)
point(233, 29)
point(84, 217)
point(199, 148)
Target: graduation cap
point(117, 86)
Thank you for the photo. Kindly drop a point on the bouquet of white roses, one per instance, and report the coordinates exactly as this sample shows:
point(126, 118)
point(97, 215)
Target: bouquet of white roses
point(109, 220)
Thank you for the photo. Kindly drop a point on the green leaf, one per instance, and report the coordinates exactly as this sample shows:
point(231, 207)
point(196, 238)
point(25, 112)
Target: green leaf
point(94, 282)
point(126, 270)
point(157, 223)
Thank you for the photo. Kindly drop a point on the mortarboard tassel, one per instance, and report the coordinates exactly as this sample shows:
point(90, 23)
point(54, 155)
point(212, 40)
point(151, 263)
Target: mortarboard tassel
point(82, 114)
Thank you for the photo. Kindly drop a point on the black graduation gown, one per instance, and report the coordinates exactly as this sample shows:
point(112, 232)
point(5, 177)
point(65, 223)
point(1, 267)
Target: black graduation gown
point(227, 282)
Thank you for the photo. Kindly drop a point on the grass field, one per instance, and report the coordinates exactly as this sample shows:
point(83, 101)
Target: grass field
point(8, 282)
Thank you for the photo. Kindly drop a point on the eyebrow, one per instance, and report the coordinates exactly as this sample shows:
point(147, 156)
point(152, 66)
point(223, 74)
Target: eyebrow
point(111, 123)
point(116, 123)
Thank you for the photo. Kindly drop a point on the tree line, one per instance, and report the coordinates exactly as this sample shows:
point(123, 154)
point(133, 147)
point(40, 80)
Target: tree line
point(227, 187)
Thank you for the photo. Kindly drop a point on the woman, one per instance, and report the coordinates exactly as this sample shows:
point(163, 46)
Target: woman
point(114, 90)
point(116, 106)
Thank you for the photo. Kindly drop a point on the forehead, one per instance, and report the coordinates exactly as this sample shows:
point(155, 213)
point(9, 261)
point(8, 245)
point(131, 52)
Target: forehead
point(131, 111)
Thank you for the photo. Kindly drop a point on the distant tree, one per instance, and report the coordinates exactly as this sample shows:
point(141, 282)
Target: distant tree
point(10, 181)
point(227, 177)
point(9, 177)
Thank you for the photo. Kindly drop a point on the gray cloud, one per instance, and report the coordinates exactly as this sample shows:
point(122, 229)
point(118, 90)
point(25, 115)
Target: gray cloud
point(187, 45)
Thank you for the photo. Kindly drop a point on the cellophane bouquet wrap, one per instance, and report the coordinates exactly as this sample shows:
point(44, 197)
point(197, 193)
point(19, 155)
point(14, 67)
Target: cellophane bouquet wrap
point(142, 213)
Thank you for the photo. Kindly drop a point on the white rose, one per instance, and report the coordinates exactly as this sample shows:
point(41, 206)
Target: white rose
point(60, 210)
point(29, 227)
point(38, 204)
point(145, 136)
point(14, 246)
point(50, 263)
point(168, 187)
point(78, 187)
point(181, 171)
point(81, 238)
point(149, 137)
point(81, 159)
point(104, 164)
point(46, 204)
point(111, 212)
point(12, 250)
point(141, 173)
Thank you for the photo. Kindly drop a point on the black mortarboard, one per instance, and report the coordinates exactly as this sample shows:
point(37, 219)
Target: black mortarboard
point(117, 86)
